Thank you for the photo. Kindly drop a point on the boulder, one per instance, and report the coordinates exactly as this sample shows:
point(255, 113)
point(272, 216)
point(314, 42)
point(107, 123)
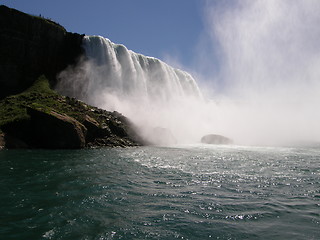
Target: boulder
point(94, 130)
point(2, 142)
point(215, 139)
point(45, 129)
point(54, 130)
point(91, 124)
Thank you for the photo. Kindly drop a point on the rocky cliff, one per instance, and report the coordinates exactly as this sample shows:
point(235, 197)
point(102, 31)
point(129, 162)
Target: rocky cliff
point(41, 118)
point(31, 46)
point(33, 50)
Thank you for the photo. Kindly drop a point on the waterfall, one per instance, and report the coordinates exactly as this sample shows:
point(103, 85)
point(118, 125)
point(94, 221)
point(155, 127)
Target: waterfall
point(126, 73)
point(151, 93)
point(264, 57)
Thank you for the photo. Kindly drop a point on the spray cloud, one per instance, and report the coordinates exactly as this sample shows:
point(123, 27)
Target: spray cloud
point(268, 70)
point(266, 77)
point(154, 95)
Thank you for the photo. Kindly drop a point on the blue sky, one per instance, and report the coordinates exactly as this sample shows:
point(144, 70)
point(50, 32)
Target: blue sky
point(154, 28)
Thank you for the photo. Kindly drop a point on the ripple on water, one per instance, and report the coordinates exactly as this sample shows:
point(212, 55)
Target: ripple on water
point(161, 193)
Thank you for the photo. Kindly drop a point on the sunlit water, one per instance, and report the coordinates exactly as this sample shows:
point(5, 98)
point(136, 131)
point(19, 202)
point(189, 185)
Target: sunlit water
point(190, 192)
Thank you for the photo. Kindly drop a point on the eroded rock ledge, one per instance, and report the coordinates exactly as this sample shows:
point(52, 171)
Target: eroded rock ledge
point(33, 51)
point(41, 118)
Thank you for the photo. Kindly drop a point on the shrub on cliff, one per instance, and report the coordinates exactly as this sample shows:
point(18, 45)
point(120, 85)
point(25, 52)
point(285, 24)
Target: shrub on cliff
point(25, 120)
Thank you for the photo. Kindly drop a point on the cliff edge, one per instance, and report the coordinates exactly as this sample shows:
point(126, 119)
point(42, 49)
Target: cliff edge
point(32, 46)
point(33, 50)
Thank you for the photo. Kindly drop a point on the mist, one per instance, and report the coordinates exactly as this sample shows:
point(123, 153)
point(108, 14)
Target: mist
point(260, 60)
point(163, 102)
point(257, 66)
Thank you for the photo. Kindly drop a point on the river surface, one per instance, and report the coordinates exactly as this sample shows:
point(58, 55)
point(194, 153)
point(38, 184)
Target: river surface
point(186, 192)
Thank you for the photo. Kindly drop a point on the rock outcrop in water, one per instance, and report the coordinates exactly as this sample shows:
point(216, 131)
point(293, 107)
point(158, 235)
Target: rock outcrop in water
point(215, 139)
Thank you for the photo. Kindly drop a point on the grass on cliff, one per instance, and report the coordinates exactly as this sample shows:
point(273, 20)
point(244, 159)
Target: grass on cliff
point(13, 108)
point(41, 96)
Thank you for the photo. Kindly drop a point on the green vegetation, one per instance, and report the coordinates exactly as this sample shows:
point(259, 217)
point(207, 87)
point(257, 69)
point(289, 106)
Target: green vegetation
point(40, 96)
point(104, 128)
point(27, 118)
point(13, 108)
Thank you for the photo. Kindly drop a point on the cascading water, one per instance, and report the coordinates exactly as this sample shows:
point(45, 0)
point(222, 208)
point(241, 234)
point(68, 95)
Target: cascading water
point(125, 72)
point(269, 78)
point(148, 91)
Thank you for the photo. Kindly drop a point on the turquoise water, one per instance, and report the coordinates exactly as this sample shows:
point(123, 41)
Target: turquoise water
point(188, 192)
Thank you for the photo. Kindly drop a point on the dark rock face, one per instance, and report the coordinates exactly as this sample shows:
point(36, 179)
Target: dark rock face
point(45, 130)
point(110, 129)
point(33, 120)
point(54, 130)
point(215, 139)
point(31, 46)
point(93, 128)
point(32, 116)
point(2, 142)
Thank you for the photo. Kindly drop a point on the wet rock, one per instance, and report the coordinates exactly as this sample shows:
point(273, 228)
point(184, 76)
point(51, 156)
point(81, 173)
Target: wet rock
point(94, 130)
point(92, 127)
point(43, 129)
point(215, 139)
point(54, 130)
point(2, 141)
